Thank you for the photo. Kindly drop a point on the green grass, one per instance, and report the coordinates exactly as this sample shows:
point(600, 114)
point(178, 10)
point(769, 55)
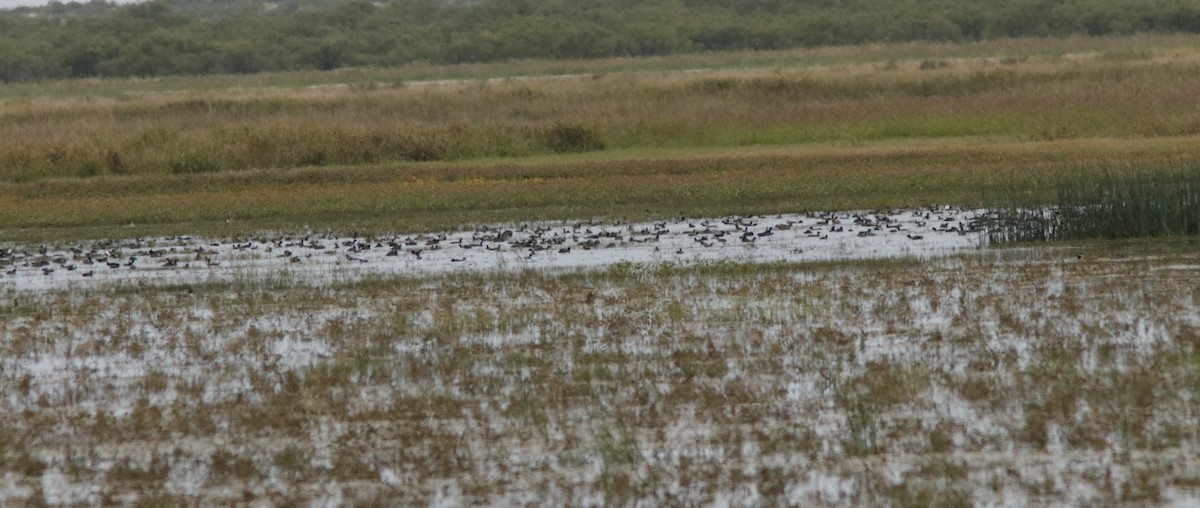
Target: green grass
point(993, 126)
point(422, 197)
point(1009, 52)
point(1131, 203)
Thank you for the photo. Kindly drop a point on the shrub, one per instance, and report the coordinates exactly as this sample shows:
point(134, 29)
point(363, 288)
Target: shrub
point(566, 138)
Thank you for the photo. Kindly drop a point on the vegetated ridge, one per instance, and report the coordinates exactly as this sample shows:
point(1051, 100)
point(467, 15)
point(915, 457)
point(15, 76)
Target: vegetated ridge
point(179, 37)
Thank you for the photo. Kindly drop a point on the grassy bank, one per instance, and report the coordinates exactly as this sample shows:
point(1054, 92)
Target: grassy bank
point(1010, 51)
point(416, 197)
point(213, 132)
point(859, 127)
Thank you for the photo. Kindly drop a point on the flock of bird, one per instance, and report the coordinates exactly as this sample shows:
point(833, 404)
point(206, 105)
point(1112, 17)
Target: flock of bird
point(520, 242)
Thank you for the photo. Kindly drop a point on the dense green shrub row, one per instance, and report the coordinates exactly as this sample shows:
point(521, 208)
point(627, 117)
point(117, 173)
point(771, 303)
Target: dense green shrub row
point(170, 37)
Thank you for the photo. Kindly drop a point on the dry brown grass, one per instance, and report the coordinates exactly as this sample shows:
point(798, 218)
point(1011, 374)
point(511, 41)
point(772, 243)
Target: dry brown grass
point(1084, 95)
point(833, 128)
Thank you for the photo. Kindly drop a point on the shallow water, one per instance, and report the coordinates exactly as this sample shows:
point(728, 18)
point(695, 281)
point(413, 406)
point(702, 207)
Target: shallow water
point(321, 259)
point(1003, 378)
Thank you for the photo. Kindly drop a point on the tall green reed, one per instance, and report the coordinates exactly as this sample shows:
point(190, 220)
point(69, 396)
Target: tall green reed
point(1144, 203)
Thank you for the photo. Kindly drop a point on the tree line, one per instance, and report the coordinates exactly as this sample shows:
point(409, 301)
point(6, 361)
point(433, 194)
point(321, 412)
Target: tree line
point(194, 37)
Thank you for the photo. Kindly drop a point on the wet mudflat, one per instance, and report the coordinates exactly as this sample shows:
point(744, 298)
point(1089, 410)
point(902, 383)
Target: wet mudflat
point(1009, 377)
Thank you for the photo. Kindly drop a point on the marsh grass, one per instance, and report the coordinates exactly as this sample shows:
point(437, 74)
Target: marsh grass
point(1006, 51)
point(254, 127)
point(783, 132)
point(770, 378)
point(1111, 205)
point(447, 196)
point(1131, 205)
point(913, 382)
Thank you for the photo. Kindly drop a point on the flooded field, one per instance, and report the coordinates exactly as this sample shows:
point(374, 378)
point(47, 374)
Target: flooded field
point(944, 374)
point(322, 259)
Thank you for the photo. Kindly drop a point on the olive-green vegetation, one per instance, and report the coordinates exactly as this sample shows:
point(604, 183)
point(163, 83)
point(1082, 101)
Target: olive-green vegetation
point(174, 37)
point(837, 128)
point(1127, 204)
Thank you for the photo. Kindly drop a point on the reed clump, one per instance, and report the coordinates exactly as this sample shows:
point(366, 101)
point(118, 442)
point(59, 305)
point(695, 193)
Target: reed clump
point(1110, 206)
